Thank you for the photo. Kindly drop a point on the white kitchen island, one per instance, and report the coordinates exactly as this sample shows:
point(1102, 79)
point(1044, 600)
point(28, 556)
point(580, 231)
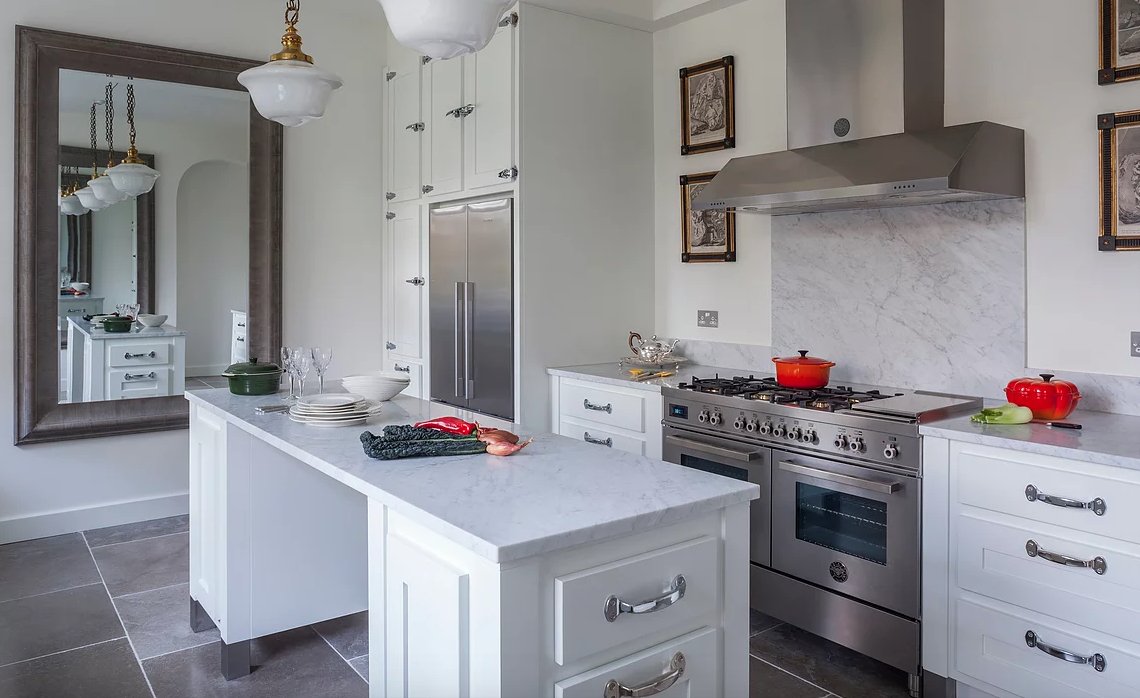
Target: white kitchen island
point(566, 570)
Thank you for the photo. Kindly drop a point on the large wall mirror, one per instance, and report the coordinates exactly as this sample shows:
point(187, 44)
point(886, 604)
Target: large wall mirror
point(125, 301)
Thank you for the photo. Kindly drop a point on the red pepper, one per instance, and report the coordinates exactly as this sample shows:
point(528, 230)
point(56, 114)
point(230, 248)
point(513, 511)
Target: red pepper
point(450, 425)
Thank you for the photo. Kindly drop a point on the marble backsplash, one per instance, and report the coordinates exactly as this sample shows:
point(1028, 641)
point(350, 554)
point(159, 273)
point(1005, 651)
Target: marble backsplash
point(746, 357)
point(928, 297)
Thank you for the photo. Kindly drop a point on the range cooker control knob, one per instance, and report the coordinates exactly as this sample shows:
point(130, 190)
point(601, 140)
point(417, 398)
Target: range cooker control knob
point(855, 445)
point(891, 451)
point(715, 419)
point(808, 437)
point(751, 426)
point(779, 431)
point(739, 423)
point(794, 434)
point(841, 442)
point(765, 428)
point(703, 416)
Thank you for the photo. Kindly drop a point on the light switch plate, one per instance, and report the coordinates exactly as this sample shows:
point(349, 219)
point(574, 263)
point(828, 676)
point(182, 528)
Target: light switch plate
point(1136, 344)
point(708, 318)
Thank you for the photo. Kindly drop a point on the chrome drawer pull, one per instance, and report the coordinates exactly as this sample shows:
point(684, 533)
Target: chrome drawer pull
point(1096, 661)
point(1097, 506)
point(403, 369)
point(608, 408)
point(1097, 564)
point(607, 442)
point(144, 355)
point(614, 607)
point(617, 689)
point(241, 324)
point(139, 376)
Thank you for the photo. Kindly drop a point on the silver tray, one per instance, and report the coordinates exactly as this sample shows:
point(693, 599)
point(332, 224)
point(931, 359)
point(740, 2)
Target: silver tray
point(671, 361)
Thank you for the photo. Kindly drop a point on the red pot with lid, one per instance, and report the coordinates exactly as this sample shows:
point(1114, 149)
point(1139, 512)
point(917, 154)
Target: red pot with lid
point(803, 371)
point(1048, 399)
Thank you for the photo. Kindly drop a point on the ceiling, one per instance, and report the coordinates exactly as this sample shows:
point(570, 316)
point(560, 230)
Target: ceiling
point(155, 101)
point(647, 15)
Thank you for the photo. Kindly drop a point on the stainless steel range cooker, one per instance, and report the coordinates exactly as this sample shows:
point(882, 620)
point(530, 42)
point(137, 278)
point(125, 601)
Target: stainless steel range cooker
point(836, 533)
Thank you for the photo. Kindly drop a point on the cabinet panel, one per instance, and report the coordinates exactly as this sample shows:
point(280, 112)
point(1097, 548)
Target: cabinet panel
point(600, 436)
point(489, 130)
point(404, 173)
point(443, 137)
point(405, 248)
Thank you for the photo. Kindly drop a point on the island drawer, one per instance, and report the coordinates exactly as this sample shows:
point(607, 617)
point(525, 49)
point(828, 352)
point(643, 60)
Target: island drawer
point(1021, 652)
point(690, 663)
point(123, 384)
point(601, 437)
point(133, 353)
point(674, 588)
point(1096, 499)
point(600, 405)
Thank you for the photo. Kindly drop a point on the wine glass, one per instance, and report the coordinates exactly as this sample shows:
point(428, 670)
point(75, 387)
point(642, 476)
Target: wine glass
point(302, 362)
point(321, 360)
point(287, 365)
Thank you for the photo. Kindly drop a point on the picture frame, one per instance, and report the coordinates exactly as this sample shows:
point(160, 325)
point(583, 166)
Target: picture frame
point(1119, 181)
point(1119, 41)
point(708, 106)
point(709, 235)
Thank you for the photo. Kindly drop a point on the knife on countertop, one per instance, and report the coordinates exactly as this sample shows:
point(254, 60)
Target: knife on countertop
point(1058, 425)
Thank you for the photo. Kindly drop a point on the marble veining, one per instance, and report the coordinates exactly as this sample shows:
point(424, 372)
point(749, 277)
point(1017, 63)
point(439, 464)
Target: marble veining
point(750, 357)
point(929, 297)
point(557, 493)
point(1107, 439)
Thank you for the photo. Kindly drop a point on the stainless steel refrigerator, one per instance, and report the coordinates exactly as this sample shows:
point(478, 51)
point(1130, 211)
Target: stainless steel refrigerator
point(472, 306)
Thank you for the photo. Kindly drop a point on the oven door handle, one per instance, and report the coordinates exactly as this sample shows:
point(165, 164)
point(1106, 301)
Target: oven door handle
point(722, 451)
point(880, 486)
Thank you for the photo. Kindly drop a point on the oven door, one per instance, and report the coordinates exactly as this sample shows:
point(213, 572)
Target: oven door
point(848, 528)
point(735, 459)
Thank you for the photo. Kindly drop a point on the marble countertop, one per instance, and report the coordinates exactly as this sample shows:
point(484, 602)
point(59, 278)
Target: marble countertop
point(1107, 439)
point(556, 493)
point(610, 374)
point(137, 331)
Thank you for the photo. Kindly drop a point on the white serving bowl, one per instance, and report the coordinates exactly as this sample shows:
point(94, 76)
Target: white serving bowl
point(381, 386)
point(81, 286)
point(149, 320)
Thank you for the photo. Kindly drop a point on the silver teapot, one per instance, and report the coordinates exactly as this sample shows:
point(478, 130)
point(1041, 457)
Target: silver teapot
point(652, 351)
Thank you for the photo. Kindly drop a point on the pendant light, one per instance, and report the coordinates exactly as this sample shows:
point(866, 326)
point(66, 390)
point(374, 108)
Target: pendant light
point(69, 203)
point(102, 185)
point(132, 176)
point(444, 29)
point(289, 89)
point(87, 194)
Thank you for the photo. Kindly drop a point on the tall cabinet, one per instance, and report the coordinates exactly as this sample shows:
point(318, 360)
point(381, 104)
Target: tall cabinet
point(456, 131)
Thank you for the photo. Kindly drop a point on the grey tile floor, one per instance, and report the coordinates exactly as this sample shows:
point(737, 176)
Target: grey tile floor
point(206, 382)
point(105, 613)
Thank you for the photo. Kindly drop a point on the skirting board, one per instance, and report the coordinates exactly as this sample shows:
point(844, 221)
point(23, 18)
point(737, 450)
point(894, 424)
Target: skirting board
point(70, 521)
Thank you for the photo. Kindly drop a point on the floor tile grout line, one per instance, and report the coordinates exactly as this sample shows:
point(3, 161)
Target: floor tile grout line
point(335, 650)
point(123, 625)
point(54, 591)
point(70, 649)
point(147, 591)
point(761, 632)
point(826, 691)
point(180, 649)
point(137, 540)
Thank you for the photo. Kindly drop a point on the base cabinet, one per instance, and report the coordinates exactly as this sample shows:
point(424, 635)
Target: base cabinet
point(606, 415)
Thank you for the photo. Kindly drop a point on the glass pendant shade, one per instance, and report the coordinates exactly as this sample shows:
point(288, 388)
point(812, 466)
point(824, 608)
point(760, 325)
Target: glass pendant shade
point(444, 29)
point(132, 178)
point(290, 92)
point(70, 205)
point(106, 190)
point(89, 200)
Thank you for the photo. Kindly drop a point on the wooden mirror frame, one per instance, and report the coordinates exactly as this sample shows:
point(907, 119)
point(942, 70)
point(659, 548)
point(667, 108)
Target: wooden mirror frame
point(40, 55)
point(76, 156)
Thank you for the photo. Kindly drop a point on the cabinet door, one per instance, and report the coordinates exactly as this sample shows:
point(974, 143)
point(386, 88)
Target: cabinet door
point(443, 137)
point(404, 171)
point(405, 308)
point(489, 130)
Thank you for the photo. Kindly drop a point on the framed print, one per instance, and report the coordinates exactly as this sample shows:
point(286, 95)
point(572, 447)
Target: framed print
point(1119, 181)
point(708, 235)
point(1119, 41)
point(708, 107)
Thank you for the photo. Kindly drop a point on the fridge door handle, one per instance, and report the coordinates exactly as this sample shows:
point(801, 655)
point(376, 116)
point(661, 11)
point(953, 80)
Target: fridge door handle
point(460, 379)
point(468, 338)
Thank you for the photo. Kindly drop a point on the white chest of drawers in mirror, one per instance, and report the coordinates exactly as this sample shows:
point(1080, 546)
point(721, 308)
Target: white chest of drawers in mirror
point(145, 362)
point(239, 346)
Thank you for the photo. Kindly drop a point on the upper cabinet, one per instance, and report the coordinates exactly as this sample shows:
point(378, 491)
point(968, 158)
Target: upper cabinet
point(452, 124)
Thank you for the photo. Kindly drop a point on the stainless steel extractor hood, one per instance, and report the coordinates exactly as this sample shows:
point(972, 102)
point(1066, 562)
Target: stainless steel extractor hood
point(865, 108)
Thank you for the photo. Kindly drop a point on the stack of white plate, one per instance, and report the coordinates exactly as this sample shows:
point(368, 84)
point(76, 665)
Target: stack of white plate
point(333, 410)
point(379, 386)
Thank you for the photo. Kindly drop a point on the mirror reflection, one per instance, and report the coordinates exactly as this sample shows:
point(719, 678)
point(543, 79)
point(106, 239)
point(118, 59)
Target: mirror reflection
point(153, 236)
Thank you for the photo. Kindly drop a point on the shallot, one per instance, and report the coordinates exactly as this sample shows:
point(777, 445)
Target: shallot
point(492, 435)
point(504, 448)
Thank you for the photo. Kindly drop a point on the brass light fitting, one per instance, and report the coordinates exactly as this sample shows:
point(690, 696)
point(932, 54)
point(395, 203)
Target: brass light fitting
point(291, 40)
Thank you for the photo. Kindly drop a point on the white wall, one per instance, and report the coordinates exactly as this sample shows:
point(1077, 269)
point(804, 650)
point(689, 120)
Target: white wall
point(1032, 64)
point(753, 32)
point(331, 239)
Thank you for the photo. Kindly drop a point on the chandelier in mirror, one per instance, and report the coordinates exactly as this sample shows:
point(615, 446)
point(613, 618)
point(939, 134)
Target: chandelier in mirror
point(102, 185)
point(87, 195)
point(132, 177)
point(289, 89)
point(69, 203)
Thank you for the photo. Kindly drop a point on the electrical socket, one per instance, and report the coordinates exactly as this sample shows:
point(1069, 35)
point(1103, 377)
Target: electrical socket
point(1136, 344)
point(708, 318)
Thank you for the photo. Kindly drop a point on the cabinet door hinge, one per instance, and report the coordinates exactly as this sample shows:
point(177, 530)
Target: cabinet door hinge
point(509, 173)
point(390, 76)
point(424, 60)
point(390, 215)
point(511, 20)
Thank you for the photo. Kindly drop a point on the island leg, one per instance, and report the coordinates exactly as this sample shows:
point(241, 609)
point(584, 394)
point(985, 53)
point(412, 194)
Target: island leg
point(235, 660)
point(200, 620)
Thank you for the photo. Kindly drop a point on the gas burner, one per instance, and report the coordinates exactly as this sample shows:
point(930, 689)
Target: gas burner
point(715, 385)
point(766, 389)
